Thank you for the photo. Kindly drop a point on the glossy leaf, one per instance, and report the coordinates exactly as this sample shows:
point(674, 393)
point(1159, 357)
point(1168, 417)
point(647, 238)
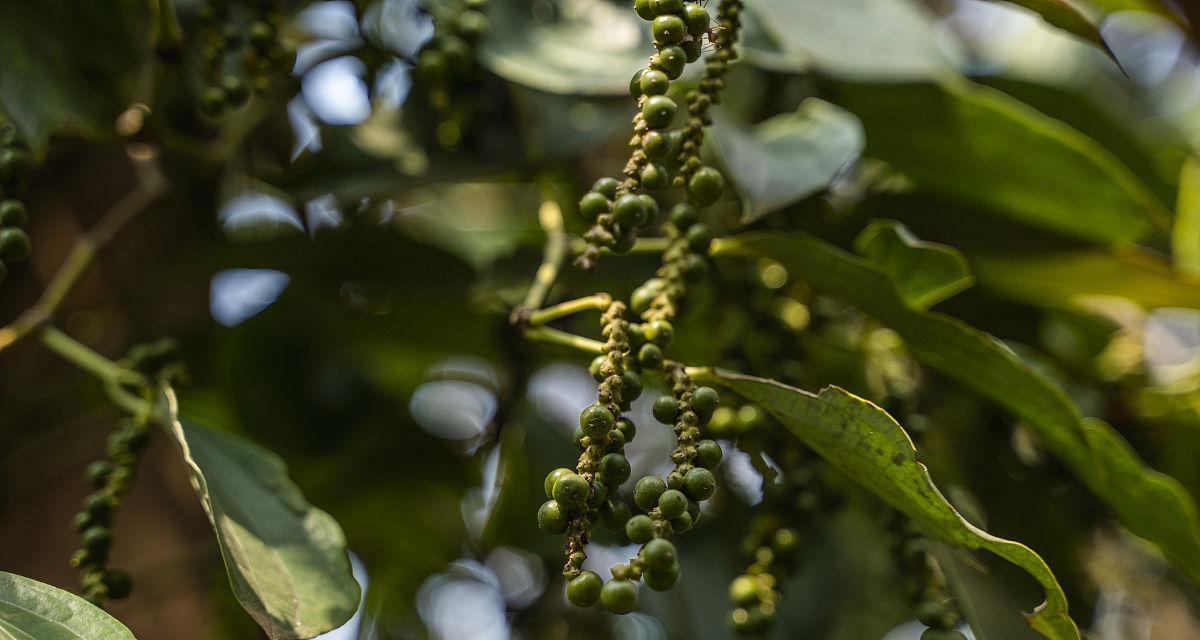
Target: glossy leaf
point(859, 39)
point(1150, 504)
point(1185, 235)
point(593, 49)
point(286, 560)
point(69, 64)
point(866, 444)
point(789, 157)
point(976, 145)
point(37, 611)
point(1074, 278)
point(1063, 15)
point(925, 272)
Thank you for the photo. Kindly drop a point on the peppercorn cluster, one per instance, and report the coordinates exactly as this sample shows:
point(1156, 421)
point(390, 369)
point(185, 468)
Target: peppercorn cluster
point(616, 209)
point(241, 49)
point(447, 61)
point(15, 164)
point(924, 586)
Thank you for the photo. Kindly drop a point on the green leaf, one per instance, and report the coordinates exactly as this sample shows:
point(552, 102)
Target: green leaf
point(1061, 14)
point(1185, 235)
point(864, 442)
point(1077, 277)
point(860, 39)
point(32, 610)
point(593, 49)
point(977, 145)
point(788, 157)
point(925, 272)
point(286, 559)
point(1152, 505)
point(69, 64)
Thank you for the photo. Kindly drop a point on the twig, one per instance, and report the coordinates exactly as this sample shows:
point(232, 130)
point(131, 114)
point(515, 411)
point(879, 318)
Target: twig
point(546, 335)
point(597, 302)
point(110, 373)
point(150, 186)
point(551, 219)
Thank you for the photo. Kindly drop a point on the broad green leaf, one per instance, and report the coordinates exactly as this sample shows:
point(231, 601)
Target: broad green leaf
point(925, 272)
point(864, 442)
point(1150, 504)
point(589, 47)
point(859, 39)
point(69, 64)
point(1185, 235)
point(1061, 14)
point(974, 144)
point(286, 559)
point(32, 610)
point(1073, 278)
point(789, 157)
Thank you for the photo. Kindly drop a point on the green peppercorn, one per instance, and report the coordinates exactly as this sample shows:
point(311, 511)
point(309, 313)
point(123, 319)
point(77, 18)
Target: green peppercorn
point(665, 409)
point(693, 510)
point(692, 49)
point(645, 9)
point(596, 420)
point(14, 244)
point(658, 112)
point(607, 187)
point(668, 29)
point(656, 145)
point(650, 356)
point(662, 7)
point(705, 401)
point(655, 176)
point(619, 596)
point(551, 518)
point(627, 427)
point(672, 503)
point(640, 528)
point(675, 481)
point(472, 25)
point(932, 613)
point(647, 491)
point(658, 554)
point(694, 267)
point(592, 204)
point(100, 506)
point(699, 483)
point(699, 237)
point(671, 60)
point(660, 332)
point(651, 207)
point(433, 64)
point(705, 186)
point(635, 83)
point(213, 101)
point(708, 453)
point(13, 213)
point(682, 523)
point(684, 215)
point(629, 211)
point(81, 521)
point(235, 89)
point(785, 540)
point(641, 298)
point(119, 583)
point(97, 540)
point(653, 82)
point(614, 467)
point(594, 367)
point(750, 416)
point(743, 590)
point(614, 514)
point(631, 385)
point(584, 589)
point(571, 491)
point(697, 20)
point(14, 168)
point(661, 579)
point(98, 472)
point(598, 495)
point(616, 442)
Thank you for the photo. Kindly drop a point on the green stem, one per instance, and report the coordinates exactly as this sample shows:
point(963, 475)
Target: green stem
point(546, 335)
point(551, 219)
point(109, 372)
point(597, 302)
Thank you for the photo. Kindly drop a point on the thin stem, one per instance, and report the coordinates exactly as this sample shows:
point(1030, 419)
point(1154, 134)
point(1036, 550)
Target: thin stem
point(150, 186)
point(110, 373)
point(551, 219)
point(597, 302)
point(640, 246)
point(546, 335)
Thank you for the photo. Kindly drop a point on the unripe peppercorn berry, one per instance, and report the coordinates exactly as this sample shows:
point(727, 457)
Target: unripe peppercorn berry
point(743, 590)
point(658, 554)
point(659, 111)
point(615, 469)
point(662, 7)
point(13, 213)
point(665, 409)
point(592, 204)
point(571, 491)
point(596, 420)
point(656, 145)
point(660, 332)
point(640, 528)
point(595, 368)
point(697, 20)
point(671, 60)
point(646, 492)
point(699, 483)
point(607, 187)
point(661, 579)
point(684, 215)
point(616, 441)
point(97, 540)
point(651, 207)
point(705, 401)
point(14, 244)
point(650, 356)
point(668, 29)
point(682, 523)
point(708, 454)
point(584, 589)
point(629, 211)
point(654, 82)
point(699, 236)
point(641, 298)
point(627, 427)
point(119, 584)
point(551, 518)
point(672, 503)
point(705, 186)
point(14, 167)
point(693, 50)
point(655, 177)
point(645, 9)
point(614, 514)
point(619, 596)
